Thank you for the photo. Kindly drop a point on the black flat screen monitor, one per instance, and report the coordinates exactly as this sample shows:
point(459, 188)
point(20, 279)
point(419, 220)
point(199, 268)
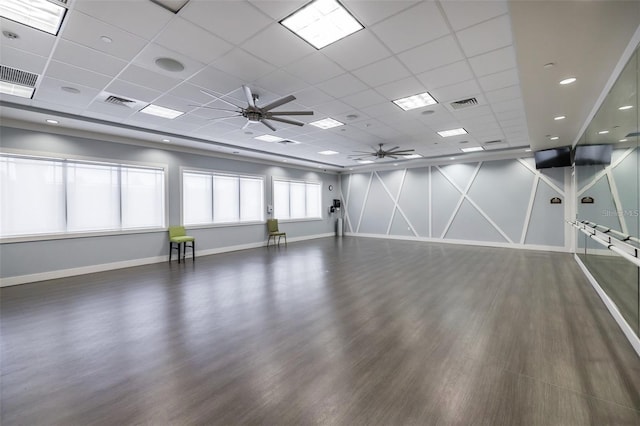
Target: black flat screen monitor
point(556, 157)
point(587, 155)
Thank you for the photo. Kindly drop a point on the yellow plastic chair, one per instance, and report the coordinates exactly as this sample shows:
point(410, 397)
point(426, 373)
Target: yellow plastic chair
point(179, 237)
point(272, 227)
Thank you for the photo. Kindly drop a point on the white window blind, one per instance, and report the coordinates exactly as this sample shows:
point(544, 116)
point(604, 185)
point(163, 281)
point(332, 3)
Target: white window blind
point(52, 196)
point(215, 198)
point(296, 199)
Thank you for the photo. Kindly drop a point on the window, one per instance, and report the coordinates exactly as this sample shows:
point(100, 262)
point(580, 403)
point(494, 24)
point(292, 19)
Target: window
point(216, 198)
point(296, 199)
point(52, 196)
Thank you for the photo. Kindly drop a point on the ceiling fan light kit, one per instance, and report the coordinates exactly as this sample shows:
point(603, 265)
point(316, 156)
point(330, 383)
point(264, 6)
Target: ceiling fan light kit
point(381, 153)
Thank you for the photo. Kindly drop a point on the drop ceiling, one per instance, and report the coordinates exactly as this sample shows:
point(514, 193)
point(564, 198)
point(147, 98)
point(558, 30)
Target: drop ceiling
point(493, 51)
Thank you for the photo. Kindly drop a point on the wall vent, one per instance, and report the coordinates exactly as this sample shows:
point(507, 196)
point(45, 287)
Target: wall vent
point(116, 100)
point(464, 103)
point(16, 76)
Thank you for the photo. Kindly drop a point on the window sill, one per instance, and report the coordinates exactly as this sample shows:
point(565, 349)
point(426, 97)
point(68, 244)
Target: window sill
point(306, 219)
point(73, 235)
point(224, 225)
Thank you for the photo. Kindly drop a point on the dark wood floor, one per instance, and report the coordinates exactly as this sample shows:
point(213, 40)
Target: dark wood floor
point(348, 331)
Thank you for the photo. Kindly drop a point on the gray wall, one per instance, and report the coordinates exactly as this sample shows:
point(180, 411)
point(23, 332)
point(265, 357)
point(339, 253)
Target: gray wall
point(23, 258)
point(504, 201)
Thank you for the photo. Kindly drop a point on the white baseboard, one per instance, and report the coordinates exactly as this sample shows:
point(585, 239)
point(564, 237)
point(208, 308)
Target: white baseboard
point(464, 242)
point(63, 273)
point(611, 306)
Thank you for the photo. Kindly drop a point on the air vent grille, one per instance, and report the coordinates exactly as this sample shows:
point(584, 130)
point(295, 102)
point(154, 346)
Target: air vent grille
point(116, 100)
point(288, 142)
point(464, 103)
point(62, 2)
point(16, 76)
point(496, 144)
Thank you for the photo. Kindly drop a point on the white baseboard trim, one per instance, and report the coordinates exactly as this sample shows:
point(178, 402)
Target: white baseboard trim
point(63, 273)
point(611, 306)
point(464, 242)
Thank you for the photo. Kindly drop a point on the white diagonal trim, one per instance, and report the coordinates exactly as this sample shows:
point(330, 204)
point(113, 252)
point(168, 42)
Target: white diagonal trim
point(532, 198)
point(617, 202)
point(473, 203)
point(602, 173)
point(543, 177)
point(429, 208)
point(463, 195)
point(395, 200)
point(346, 204)
point(396, 204)
point(364, 202)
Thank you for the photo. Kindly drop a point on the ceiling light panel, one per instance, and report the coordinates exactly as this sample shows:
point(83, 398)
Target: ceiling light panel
point(16, 90)
point(321, 23)
point(472, 149)
point(161, 111)
point(39, 14)
point(625, 107)
point(411, 156)
point(416, 101)
point(269, 138)
point(326, 123)
point(568, 80)
point(365, 161)
point(452, 132)
point(328, 152)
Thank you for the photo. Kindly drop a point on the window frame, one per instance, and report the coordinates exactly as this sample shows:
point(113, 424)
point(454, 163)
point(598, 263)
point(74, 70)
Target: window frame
point(289, 180)
point(72, 158)
point(212, 172)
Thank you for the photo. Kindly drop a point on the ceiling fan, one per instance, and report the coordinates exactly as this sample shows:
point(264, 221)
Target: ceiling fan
point(255, 114)
point(382, 153)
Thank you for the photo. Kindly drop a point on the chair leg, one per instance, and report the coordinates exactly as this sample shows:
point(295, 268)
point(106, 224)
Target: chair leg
point(285, 239)
point(170, 250)
point(193, 250)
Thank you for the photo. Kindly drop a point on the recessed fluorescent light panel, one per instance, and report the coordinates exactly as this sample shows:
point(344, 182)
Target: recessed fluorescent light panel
point(16, 90)
point(328, 152)
point(452, 132)
point(603, 132)
point(560, 117)
point(269, 138)
point(415, 101)
point(39, 14)
point(321, 23)
point(411, 156)
point(568, 80)
point(625, 107)
point(161, 111)
point(472, 149)
point(327, 123)
point(365, 161)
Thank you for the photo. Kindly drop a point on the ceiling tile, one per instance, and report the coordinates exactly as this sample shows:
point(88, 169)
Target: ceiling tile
point(489, 35)
point(180, 35)
point(142, 18)
point(499, 80)
point(514, 104)
point(507, 115)
point(53, 106)
point(152, 52)
point(342, 85)
point(22, 60)
point(132, 91)
point(456, 92)
point(382, 72)
point(447, 75)
point(364, 99)
point(110, 111)
point(356, 50)
point(50, 90)
point(62, 71)
point(243, 65)
point(462, 14)
point(411, 27)
point(214, 80)
point(315, 68)
point(278, 9)
point(432, 55)
point(387, 109)
point(369, 13)
point(29, 39)
point(332, 108)
point(278, 46)
point(86, 58)
point(146, 78)
point(311, 97)
point(281, 82)
point(190, 92)
point(214, 16)
point(87, 31)
point(401, 88)
point(492, 62)
point(176, 103)
point(504, 94)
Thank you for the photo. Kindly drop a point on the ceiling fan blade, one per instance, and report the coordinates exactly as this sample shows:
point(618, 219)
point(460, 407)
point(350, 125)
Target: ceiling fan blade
point(224, 118)
point(279, 102)
point(364, 152)
point(391, 156)
point(291, 113)
point(284, 120)
point(392, 149)
point(248, 95)
point(220, 99)
point(269, 125)
point(217, 109)
point(246, 125)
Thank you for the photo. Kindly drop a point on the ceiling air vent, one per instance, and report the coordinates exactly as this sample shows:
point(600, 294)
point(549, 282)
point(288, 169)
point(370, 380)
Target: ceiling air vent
point(116, 100)
point(288, 142)
point(497, 144)
point(464, 103)
point(16, 76)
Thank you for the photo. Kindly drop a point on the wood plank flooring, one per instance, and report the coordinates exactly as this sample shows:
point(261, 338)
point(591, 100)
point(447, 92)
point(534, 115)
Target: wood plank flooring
point(350, 331)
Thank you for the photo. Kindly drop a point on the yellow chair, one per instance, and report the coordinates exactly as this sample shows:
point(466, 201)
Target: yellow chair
point(178, 236)
point(272, 227)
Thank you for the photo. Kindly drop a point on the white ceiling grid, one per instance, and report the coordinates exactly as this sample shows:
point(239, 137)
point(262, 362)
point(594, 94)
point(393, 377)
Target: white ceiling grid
point(454, 50)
